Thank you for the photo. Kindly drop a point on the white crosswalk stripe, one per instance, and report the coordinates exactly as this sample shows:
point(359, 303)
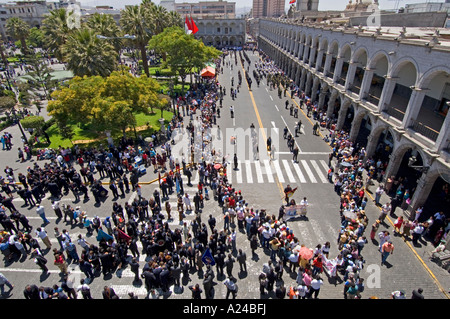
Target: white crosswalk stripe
point(249, 172)
point(268, 171)
point(277, 167)
point(239, 173)
point(318, 171)
point(259, 172)
point(308, 171)
point(288, 171)
point(299, 173)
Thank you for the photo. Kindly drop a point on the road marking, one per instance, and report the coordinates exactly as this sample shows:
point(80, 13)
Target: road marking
point(271, 97)
point(278, 171)
point(259, 172)
point(273, 124)
point(248, 170)
point(308, 171)
point(268, 171)
point(299, 173)
point(239, 173)
point(277, 108)
point(325, 165)
point(299, 149)
point(288, 171)
point(319, 172)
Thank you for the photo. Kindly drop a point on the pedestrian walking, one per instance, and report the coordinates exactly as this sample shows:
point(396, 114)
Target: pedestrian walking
point(42, 234)
point(232, 288)
point(40, 210)
point(386, 250)
point(39, 260)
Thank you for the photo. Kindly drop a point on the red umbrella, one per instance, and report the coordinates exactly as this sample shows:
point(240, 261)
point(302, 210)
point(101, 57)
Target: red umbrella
point(217, 166)
point(306, 253)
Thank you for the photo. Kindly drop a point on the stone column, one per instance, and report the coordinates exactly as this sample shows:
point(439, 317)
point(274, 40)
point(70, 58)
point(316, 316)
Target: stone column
point(326, 67)
point(331, 103)
point(321, 99)
point(308, 85)
point(350, 75)
point(366, 82)
point(305, 52)
point(312, 55)
point(372, 145)
point(314, 89)
point(386, 93)
point(341, 117)
point(393, 165)
point(413, 108)
point(356, 125)
point(338, 68)
point(443, 137)
point(423, 189)
point(319, 59)
point(302, 79)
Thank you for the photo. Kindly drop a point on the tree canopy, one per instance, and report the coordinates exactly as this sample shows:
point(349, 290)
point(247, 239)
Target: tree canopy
point(183, 53)
point(106, 103)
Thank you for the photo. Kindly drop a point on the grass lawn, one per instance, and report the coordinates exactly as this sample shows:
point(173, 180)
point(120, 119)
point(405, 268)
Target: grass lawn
point(91, 136)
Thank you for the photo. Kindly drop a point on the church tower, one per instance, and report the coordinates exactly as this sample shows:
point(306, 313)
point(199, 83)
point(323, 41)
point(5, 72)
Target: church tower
point(307, 5)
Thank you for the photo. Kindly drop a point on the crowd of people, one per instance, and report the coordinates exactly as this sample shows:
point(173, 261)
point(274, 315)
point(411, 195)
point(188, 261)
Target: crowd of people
point(173, 254)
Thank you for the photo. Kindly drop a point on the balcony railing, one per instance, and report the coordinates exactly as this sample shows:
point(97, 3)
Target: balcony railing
point(424, 130)
point(396, 113)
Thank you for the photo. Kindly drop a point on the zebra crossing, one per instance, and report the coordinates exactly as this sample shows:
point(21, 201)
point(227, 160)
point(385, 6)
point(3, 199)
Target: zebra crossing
point(265, 171)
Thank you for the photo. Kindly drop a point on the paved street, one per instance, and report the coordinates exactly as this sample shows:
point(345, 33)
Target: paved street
point(261, 182)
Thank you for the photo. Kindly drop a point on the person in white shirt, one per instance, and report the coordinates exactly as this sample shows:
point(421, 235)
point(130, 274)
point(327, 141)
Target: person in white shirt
point(82, 242)
point(302, 291)
point(316, 283)
point(231, 288)
point(42, 234)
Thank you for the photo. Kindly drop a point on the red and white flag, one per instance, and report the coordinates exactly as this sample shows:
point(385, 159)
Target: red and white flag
point(292, 1)
point(194, 28)
point(187, 26)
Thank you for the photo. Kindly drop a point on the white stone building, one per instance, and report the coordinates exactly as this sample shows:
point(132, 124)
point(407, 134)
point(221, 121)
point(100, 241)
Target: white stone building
point(387, 86)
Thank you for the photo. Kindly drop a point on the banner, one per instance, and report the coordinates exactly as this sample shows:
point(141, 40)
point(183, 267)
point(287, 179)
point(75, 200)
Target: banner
point(292, 211)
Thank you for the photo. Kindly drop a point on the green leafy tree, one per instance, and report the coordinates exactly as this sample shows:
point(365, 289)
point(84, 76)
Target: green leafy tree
point(33, 122)
point(183, 52)
point(106, 103)
point(40, 75)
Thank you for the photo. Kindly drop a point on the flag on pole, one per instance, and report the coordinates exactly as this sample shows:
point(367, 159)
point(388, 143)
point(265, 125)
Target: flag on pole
point(291, 192)
point(292, 1)
point(187, 26)
point(194, 28)
point(208, 258)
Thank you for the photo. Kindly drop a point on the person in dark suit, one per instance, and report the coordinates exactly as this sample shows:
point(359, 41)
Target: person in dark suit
point(109, 293)
point(31, 292)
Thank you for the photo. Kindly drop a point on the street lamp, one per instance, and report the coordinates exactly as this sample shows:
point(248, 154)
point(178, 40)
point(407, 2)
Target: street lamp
point(422, 169)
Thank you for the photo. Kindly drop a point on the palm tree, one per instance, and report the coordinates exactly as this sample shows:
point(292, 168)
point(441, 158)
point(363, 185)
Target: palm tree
point(88, 55)
point(56, 31)
point(134, 20)
point(104, 24)
point(18, 29)
point(174, 19)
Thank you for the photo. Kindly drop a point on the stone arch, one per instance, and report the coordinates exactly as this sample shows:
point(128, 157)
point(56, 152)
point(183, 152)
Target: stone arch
point(398, 65)
point(425, 79)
